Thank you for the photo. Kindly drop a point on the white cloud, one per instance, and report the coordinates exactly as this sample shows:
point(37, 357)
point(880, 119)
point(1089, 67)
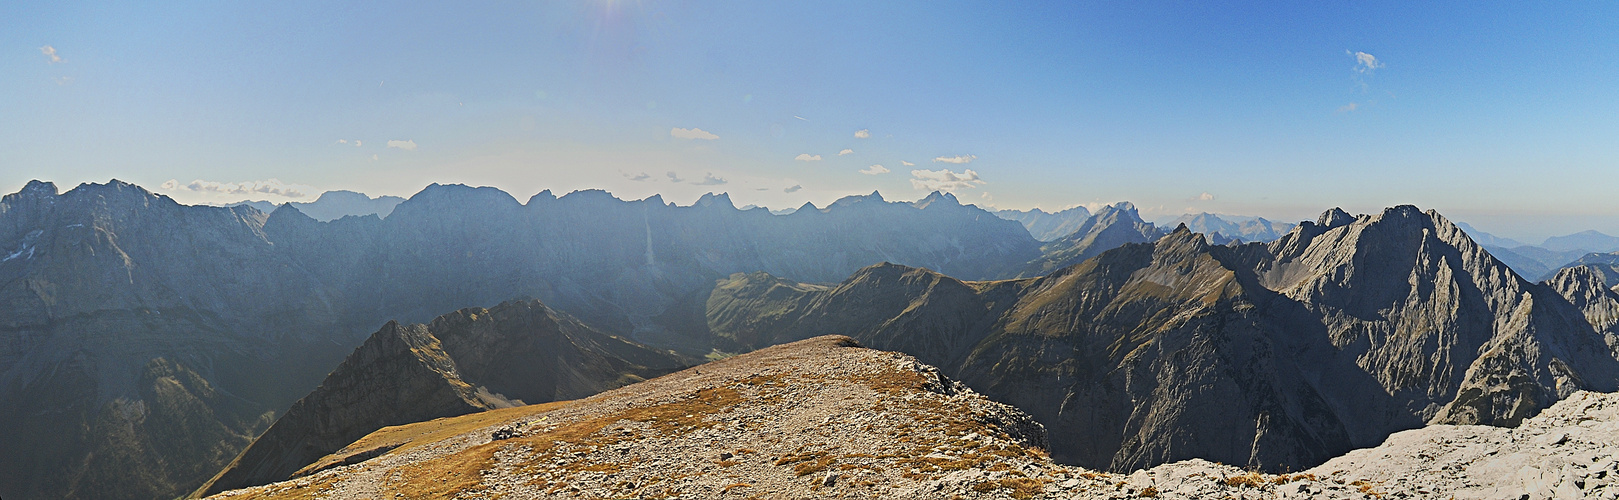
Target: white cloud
point(709, 180)
point(356, 143)
point(906, 163)
point(674, 177)
point(1349, 107)
point(863, 134)
point(1205, 197)
point(944, 180)
point(807, 157)
point(342, 141)
point(269, 186)
point(846, 152)
point(800, 117)
point(1365, 63)
point(373, 157)
point(63, 80)
point(793, 189)
point(50, 52)
point(691, 133)
point(407, 145)
point(874, 170)
point(959, 160)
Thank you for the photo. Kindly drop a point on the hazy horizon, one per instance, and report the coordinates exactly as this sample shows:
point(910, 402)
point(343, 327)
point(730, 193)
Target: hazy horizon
point(1501, 116)
point(1575, 224)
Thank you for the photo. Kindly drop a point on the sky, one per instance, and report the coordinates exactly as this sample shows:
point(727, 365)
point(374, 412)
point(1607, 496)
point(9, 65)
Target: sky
point(1505, 115)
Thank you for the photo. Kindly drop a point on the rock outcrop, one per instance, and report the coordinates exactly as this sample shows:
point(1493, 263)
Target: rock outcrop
point(472, 360)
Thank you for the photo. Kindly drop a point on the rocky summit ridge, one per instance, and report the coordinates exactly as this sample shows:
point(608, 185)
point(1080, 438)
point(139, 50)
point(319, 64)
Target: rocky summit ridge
point(824, 417)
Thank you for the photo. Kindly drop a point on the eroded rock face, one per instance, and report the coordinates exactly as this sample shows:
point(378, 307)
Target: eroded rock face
point(1567, 451)
point(1276, 356)
point(468, 361)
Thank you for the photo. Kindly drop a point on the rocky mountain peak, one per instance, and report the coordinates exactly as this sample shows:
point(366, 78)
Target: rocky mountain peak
point(940, 198)
point(722, 200)
point(38, 188)
point(447, 197)
point(541, 198)
point(874, 198)
point(1334, 218)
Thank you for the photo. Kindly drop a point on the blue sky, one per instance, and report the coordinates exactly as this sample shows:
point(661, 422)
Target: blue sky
point(1505, 115)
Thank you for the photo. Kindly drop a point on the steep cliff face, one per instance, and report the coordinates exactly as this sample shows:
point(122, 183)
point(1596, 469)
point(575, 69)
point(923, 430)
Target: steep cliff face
point(468, 361)
point(1111, 227)
point(1275, 356)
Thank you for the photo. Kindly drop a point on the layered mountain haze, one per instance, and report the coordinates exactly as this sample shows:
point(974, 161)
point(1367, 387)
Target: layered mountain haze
point(469, 361)
point(1048, 226)
point(1112, 226)
point(1220, 230)
point(333, 205)
point(1273, 356)
point(1583, 241)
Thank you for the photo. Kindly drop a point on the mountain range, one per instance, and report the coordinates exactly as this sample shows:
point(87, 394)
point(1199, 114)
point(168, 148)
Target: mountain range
point(1274, 356)
point(1225, 229)
point(333, 205)
point(145, 344)
point(1048, 226)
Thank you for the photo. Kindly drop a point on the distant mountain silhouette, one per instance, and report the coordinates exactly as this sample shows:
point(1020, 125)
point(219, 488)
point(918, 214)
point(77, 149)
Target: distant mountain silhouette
point(1048, 226)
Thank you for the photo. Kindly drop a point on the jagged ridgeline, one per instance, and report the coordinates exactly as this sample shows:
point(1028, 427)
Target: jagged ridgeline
point(1277, 356)
point(247, 311)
